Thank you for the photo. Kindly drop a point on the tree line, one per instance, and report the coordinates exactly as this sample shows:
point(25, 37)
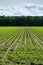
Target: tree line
point(21, 20)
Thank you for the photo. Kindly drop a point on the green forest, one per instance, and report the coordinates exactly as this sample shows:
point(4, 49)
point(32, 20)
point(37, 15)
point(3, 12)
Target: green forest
point(21, 20)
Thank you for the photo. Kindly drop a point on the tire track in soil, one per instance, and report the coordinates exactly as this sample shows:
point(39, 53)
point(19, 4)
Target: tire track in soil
point(14, 47)
point(37, 41)
point(27, 39)
point(20, 45)
point(32, 39)
point(23, 39)
point(18, 42)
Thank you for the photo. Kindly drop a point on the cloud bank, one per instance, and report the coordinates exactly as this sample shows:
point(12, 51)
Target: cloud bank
point(35, 9)
point(10, 11)
point(27, 10)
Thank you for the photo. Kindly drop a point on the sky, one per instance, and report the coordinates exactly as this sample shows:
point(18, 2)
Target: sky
point(21, 7)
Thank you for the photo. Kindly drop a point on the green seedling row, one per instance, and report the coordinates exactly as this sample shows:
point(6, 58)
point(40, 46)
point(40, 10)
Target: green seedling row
point(21, 45)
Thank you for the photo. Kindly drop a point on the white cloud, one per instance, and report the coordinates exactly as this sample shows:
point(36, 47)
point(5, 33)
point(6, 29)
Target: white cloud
point(10, 11)
point(28, 9)
point(35, 9)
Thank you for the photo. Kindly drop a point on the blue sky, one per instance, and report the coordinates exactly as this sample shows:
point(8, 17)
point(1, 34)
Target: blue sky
point(21, 7)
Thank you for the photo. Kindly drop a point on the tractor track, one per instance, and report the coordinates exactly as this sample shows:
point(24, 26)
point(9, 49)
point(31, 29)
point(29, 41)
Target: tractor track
point(14, 47)
point(32, 39)
point(27, 39)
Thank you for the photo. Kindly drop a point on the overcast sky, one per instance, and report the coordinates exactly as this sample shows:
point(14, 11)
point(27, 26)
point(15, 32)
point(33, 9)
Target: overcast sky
point(21, 7)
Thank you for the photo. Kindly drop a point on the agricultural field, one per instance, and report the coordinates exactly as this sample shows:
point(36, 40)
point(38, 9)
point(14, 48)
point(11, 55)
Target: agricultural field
point(21, 45)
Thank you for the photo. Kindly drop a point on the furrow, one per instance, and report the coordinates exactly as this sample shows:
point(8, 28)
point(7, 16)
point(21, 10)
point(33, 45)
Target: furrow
point(37, 41)
point(12, 43)
point(10, 37)
point(4, 38)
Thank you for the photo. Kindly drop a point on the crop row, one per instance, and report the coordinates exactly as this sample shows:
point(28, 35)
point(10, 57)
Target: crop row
point(21, 47)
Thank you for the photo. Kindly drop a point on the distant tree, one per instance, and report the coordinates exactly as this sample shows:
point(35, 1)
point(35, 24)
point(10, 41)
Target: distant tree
point(21, 20)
